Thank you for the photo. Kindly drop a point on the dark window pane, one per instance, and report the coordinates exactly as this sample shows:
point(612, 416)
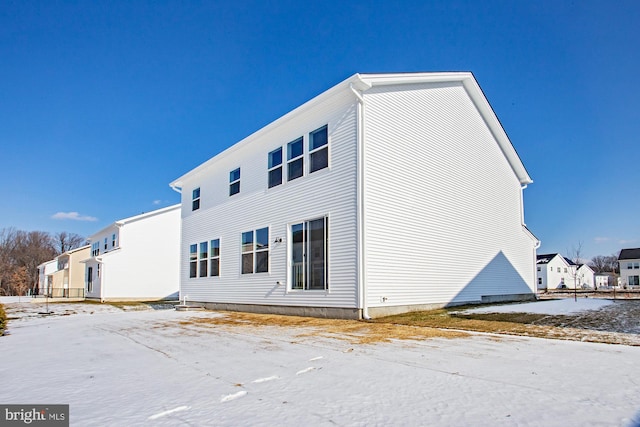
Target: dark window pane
point(316, 255)
point(234, 175)
point(319, 160)
point(262, 262)
point(196, 193)
point(215, 267)
point(204, 250)
point(247, 241)
point(318, 138)
point(203, 268)
point(234, 188)
point(262, 238)
point(195, 205)
point(294, 149)
point(275, 177)
point(193, 267)
point(275, 158)
point(247, 263)
point(295, 169)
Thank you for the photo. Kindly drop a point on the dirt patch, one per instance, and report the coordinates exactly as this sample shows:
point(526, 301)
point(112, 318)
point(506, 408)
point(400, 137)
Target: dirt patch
point(614, 324)
point(355, 332)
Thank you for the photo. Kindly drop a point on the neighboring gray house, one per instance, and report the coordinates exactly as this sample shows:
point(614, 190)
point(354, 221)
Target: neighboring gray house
point(386, 193)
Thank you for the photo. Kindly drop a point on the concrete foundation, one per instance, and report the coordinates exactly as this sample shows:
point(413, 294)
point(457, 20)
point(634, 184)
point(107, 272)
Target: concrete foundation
point(323, 312)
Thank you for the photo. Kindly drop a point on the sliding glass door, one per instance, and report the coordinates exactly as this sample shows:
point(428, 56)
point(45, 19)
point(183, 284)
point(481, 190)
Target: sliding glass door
point(309, 255)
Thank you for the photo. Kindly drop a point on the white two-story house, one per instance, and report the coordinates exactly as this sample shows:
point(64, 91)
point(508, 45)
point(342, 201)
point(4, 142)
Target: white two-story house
point(136, 258)
point(553, 272)
point(629, 263)
point(386, 193)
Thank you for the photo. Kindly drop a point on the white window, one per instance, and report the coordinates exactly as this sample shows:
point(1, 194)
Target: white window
point(318, 149)
point(95, 249)
point(295, 159)
point(255, 251)
point(214, 261)
point(113, 240)
point(275, 167)
point(105, 243)
point(193, 260)
point(203, 259)
point(234, 182)
point(195, 199)
point(309, 255)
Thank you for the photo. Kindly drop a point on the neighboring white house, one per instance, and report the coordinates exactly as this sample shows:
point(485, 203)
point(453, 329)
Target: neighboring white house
point(604, 280)
point(386, 193)
point(553, 272)
point(136, 258)
point(557, 272)
point(45, 276)
point(629, 263)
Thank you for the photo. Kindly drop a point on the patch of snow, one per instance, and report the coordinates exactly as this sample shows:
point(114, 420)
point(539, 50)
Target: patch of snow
point(233, 396)
point(551, 307)
point(264, 380)
point(304, 371)
point(170, 411)
point(121, 368)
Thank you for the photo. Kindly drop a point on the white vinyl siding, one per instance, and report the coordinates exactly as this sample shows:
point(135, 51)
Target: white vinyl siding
point(329, 192)
point(442, 217)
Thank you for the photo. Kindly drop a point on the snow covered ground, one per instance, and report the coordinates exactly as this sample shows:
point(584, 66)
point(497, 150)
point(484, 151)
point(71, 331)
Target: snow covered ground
point(551, 307)
point(159, 367)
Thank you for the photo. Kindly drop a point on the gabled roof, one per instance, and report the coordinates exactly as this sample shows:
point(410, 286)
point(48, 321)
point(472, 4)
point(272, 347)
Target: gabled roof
point(570, 262)
point(633, 253)
point(364, 82)
point(546, 258)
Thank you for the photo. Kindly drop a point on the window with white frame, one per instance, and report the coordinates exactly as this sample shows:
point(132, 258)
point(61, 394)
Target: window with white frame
point(318, 149)
point(203, 259)
point(234, 182)
point(214, 261)
point(634, 280)
point(255, 251)
point(193, 261)
point(95, 249)
point(113, 240)
point(105, 243)
point(195, 199)
point(309, 255)
point(275, 167)
point(295, 159)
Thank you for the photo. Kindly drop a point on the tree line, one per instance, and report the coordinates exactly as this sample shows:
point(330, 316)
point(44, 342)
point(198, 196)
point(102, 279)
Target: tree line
point(22, 251)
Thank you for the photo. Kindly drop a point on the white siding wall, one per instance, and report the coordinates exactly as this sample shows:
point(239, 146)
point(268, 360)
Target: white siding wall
point(330, 192)
point(442, 205)
point(147, 263)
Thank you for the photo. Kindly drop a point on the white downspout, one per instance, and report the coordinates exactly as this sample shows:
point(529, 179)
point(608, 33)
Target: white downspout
point(362, 297)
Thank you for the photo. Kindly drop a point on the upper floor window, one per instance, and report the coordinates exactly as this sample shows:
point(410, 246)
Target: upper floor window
point(195, 199)
point(295, 159)
point(255, 251)
point(105, 243)
point(234, 182)
point(538, 268)
point(275, 167)
point(558, 269)
point(318, 149)
point(113, 240)
point(95, 249)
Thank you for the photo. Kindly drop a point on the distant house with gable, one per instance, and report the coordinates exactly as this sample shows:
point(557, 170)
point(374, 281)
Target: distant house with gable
point(387, 193)
point(135, 258)
point(629, 263)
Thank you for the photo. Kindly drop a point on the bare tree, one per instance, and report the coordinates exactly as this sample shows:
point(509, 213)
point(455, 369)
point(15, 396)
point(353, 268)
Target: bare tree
point(575, 255)
point(65, 241)
point(604, 263)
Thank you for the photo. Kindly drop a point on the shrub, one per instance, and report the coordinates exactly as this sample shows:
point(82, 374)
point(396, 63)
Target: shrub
point(3, 320)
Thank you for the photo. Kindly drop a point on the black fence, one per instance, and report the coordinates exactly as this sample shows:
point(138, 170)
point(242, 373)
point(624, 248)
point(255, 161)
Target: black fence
point(67, 293)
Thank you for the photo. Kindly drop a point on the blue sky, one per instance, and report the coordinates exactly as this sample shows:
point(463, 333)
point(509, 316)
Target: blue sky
point(103, 103)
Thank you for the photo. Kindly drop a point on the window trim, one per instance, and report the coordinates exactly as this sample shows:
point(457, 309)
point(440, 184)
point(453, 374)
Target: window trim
point(273, 167)
point(295, 158)
point(319, 148)
point(213, 257)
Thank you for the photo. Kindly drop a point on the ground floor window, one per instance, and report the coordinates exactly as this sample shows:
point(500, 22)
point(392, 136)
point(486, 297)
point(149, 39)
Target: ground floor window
point(204, 259)
point(634, 280)
point(309, 245)
point(255, 251)
point(214, 269)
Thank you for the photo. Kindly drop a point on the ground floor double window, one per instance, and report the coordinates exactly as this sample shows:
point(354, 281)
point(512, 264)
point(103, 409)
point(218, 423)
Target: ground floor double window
point(309, 249)
point(255, 251)
point(634, 280)
point(204, 259)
